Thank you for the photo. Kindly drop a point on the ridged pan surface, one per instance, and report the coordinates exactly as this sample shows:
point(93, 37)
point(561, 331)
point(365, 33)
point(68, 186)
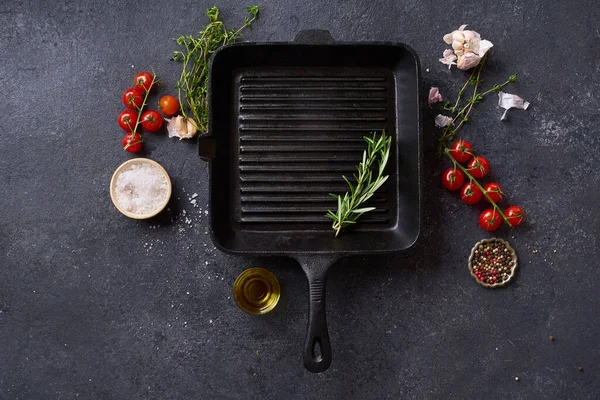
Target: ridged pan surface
point(298, 133)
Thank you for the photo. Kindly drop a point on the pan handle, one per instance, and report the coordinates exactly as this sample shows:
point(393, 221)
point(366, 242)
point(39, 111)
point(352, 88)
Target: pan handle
point(314, 36)
point(317, 348)
point(207, 148)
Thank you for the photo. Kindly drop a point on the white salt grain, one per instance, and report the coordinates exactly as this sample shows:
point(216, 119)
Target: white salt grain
point(141, 188)
point(194, 195)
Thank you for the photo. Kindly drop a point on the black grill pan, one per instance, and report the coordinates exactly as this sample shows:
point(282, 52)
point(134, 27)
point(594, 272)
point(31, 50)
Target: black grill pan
point(286, 122)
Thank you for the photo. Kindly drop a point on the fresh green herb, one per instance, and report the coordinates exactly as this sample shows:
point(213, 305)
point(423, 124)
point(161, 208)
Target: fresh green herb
point(192, 85)
point(348, 210)
point(461, 114)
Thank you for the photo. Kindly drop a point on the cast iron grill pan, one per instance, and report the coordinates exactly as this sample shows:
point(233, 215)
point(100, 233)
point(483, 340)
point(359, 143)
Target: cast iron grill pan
point(287, 120)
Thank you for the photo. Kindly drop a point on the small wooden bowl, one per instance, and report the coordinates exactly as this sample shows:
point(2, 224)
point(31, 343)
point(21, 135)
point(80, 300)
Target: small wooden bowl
point(123, 166)
point(513, 262)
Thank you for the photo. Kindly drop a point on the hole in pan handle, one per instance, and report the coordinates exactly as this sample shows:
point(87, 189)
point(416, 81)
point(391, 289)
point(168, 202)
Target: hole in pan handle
point(314, 36)
point(317, 348)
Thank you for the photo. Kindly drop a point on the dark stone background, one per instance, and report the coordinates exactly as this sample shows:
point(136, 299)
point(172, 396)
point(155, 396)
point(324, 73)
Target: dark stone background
point(94, 305)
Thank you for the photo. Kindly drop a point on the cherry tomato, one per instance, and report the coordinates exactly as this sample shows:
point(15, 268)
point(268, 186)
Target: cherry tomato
point(143, 81)
point(470, 194)
point(515, 215)
point(461, 150)
point(151, 121)
point(169, 105)
point(453, 178)
point(133, 98)
point(127, 120)
point(132, 142)
point(494, 191)
point(490, 219)
point(478, 167)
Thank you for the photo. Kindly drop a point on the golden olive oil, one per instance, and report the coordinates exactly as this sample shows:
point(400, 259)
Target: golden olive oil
point(256, 291)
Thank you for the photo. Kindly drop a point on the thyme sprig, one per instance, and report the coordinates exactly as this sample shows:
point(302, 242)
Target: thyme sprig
point(192, 85)
point(348, 210)
point(462, 115)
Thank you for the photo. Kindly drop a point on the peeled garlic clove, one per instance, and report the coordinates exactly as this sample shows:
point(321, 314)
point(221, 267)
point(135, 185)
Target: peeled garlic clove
point(191, 129)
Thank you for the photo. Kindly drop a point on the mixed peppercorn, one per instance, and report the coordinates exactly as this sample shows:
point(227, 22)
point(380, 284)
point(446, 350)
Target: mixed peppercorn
point(492, 262)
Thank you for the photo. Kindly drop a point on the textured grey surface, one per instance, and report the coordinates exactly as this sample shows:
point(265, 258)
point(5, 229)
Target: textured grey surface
point(96, 306)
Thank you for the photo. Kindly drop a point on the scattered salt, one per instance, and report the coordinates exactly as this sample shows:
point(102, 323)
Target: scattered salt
point(193, 202)
point(183, 212)
point(194, 195)
point(206, 212)
point(141, 188)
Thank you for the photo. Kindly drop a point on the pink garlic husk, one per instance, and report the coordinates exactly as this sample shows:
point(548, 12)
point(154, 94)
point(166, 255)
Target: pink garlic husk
point(181, 128)
point(434, 96)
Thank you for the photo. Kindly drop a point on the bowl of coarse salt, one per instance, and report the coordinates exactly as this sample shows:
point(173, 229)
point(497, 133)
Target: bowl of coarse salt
point(140, 188)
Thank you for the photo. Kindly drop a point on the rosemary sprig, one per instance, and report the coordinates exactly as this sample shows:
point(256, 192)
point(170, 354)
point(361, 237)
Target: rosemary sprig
point(348, 211)
point(192, 85)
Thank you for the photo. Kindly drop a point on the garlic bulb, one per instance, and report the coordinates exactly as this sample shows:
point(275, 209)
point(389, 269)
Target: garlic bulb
point(181, 128)
point(467, 46)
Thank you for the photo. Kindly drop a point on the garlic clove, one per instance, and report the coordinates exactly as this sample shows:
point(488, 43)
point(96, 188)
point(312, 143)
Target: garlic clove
point(468, 61)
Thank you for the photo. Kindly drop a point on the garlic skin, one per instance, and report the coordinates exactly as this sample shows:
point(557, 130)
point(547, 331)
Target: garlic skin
point(442, 121)
point(467, 46)
point(434, 95)
point(508, 101)
point(181, 128)
point(448, 58)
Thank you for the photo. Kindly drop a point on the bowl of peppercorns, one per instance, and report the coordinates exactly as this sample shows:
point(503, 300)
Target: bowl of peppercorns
point(492, 262)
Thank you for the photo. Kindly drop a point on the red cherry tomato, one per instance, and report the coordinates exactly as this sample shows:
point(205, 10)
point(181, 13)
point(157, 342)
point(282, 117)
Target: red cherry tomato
point(132, 142)
point(470, 194)
point(515, 215)
point(478, 167)
point(494, 191)
point(143, 81)
point(127, 120)
point(151, 121)
point(453, 179)
point(133, 98)
point(461, 150)
point(169, 105)
point(490, 219)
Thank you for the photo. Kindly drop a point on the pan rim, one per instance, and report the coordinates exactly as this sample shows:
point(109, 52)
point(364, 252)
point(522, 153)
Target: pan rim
point(341, 253)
